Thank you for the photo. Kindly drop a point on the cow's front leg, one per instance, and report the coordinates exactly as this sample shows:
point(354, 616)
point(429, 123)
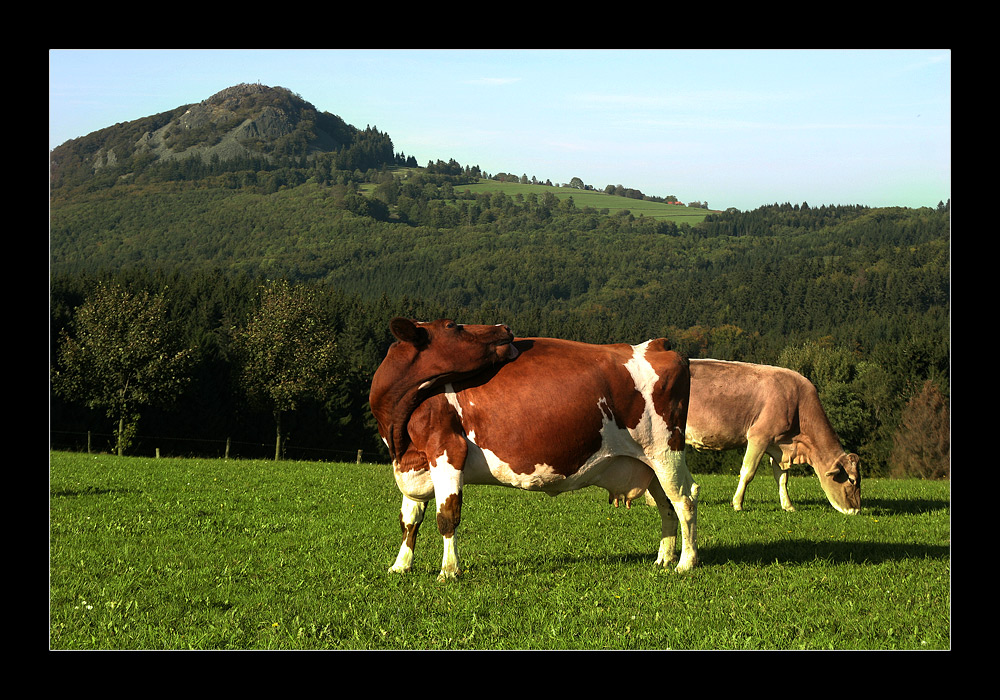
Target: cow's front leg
point(666, 556)
point(411, 514)
point(751, 458)
point(678, 486)
point(447, 476)
point(781, 477)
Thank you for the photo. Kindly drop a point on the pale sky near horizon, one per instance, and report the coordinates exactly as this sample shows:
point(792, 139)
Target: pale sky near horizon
point(733, 128)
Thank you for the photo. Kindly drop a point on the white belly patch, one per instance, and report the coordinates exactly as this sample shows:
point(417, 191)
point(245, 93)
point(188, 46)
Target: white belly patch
point(618, 465)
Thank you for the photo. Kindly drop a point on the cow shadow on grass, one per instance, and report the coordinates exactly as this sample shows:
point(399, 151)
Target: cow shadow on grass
point(795, 550)
point(836, 550)
point(87, 491)
point(785, 552)
point(804, 551)
point(873, 507)
point(892, 506)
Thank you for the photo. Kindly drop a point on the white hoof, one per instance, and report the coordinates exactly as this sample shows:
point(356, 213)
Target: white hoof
point(686, 565)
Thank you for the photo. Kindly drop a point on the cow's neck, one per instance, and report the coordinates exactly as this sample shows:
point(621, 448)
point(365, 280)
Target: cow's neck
point(392, 404)
point(818, 436)
point(402, 400)
point(402, 408)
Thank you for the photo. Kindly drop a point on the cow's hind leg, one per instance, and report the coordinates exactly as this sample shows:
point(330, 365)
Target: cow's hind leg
point(676, 485)
point(411, 514)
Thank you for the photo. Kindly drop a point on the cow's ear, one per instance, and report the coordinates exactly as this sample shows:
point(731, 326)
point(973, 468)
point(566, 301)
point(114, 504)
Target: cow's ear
point(406, 330)
point(852, 466)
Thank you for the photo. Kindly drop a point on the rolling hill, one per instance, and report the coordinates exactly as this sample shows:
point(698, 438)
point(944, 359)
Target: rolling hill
point(255, 182)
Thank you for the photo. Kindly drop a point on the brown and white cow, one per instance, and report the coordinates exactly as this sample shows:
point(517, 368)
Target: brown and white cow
point(773, 410)
point(540, 414)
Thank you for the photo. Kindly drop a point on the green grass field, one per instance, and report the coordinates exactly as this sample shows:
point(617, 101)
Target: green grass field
point(584, 198)
point(596, 199)
point(211, 554)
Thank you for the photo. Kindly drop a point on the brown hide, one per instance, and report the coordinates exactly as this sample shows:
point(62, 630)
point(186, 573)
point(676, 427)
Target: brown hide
point(544, 407)
point(541, 414)
point(737, 404)
point(424, 356)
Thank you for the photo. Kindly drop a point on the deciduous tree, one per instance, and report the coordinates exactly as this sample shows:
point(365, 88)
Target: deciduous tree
point(121, 354)
point(287, 352)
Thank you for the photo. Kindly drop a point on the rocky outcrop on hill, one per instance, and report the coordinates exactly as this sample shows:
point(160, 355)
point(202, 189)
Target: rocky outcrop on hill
point(246, 120)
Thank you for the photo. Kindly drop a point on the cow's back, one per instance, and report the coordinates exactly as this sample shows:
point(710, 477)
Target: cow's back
point(545, 408)
point(729, 398)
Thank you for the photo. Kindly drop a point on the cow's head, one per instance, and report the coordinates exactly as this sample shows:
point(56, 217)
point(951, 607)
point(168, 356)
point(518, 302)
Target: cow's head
point(444, 348)
point(842, 484)
point(426, 356)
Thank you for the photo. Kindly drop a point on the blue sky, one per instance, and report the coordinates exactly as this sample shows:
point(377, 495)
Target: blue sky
point(734, 128)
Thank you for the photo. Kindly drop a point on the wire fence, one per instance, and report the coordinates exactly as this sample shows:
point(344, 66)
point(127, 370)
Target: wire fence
point(159, 446)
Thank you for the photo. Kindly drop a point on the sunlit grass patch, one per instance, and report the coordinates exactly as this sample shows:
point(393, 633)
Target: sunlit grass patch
point(209, 554)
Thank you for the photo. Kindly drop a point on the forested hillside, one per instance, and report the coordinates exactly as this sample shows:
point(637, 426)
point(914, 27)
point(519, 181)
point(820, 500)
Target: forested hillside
point(855, 298)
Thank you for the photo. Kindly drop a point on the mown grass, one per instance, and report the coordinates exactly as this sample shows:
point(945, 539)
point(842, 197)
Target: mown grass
point(213, 554)
point(581, 198)
point(596, 199)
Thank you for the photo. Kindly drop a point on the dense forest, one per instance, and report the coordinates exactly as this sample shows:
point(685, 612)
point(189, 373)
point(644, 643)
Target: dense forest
point(855, 298)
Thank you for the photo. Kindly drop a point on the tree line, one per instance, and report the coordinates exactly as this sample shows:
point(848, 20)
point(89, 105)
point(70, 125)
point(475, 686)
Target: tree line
point(209, 357)
point(229, 346)
point(855, 298)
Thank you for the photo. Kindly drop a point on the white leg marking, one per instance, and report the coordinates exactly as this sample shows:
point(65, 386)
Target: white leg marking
point(447, 495)
point(411, 515)
point(680, 489)
point(666, 556)
point(670, 466)
point(450, 566)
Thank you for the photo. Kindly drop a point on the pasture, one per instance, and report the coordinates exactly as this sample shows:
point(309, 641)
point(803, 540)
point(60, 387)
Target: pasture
point(593, 198)
point(213, 554)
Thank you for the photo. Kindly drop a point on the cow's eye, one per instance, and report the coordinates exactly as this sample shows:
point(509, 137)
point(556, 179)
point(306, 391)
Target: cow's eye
point(450, 325)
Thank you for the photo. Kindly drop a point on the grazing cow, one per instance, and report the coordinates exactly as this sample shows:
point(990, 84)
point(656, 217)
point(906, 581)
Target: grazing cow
point(539, 414)
point(773, 410)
